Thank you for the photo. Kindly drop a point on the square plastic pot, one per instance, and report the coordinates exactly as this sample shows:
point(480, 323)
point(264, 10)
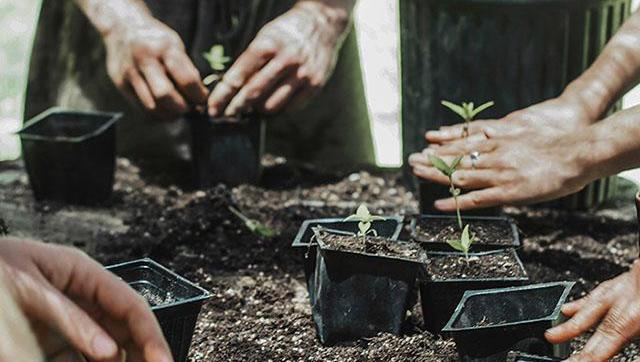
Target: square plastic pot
point(441, 245)
point(359, 295)
point(70, 155)
point(389, 228)
point(523, 357)
point(178, 312)
point(439, 298)
point(225, 150)
point(487, 324)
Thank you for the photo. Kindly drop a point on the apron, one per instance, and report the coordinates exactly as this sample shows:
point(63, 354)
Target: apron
point(68, 69)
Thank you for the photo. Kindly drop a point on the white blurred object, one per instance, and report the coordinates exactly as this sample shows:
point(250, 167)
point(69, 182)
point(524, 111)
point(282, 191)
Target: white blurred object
point(9, 142)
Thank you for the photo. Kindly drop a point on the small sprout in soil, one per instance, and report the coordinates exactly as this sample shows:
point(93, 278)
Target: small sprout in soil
point(364, 218)
point(467, 112)
point(253, 225)
point(449, 170)
point(218, 62)
point(464, 244)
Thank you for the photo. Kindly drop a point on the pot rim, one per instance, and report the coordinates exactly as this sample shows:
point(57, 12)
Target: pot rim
point(297, 241)
point(514, 228)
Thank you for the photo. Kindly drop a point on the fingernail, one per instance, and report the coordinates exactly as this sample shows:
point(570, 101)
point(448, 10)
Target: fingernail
point(433, 134)
point(103, 346)
point(213, 111)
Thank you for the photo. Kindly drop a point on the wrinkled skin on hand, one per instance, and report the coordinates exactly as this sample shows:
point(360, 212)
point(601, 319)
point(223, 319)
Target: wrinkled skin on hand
point(613, 308)
point(148, 63)
point(290, 60)
point(73, 303)
point(509, 171)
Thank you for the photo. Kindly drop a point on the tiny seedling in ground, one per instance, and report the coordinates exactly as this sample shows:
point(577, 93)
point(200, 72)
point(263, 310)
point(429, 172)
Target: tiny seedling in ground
point(253, 225)
point(217, 61)
point(467, 112)
point(466, 238)
point(364, 218)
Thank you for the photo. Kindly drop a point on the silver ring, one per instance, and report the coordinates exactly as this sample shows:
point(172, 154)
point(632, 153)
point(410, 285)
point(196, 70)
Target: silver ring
point(475, 156)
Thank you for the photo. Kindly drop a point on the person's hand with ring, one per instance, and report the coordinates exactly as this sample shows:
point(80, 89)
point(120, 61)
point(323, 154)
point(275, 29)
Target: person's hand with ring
point(290, 60)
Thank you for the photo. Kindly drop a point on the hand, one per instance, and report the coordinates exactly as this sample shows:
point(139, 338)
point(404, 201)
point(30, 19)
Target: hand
point(72, 299)
point(147, 61)
point(612, 307)
point(290, 59)
point(546, 119)
point(511, 170)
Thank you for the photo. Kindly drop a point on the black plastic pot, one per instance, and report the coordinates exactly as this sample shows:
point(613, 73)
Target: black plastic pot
point(226, 150)
point(70, 155)
point(523, 357)
point(514, 52)
point(359, 295)
point(390, 228)
point(178, 313)
point(439, 298)
point(487, 324)
point(441, 245)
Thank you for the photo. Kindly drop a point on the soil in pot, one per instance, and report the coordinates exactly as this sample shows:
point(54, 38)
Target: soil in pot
point(363, 286)
point(487, 324)
point(523, 357)
point(449, 275)
point(388, 228)
point(490, 233)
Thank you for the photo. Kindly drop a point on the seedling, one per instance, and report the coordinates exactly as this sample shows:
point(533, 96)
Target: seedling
point(218, 62)
point(467, 112)
point(364, 218)
point(449, 171)
point(255, 226)
point(464, 244)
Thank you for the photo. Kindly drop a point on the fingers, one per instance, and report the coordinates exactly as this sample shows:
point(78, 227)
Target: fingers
point(455, 132)
point(591, 311)
point(465, 179)
point(141, 90)
point(162, 88)
point(488, 197)
point(259, 53)
point(185, 76)
point(282, 95)
point(465, 147)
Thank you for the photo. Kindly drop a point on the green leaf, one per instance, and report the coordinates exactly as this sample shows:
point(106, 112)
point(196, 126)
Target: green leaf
point(216, 58)
point(465, 239)
point(455, 163)
point(456, 245)
point(483, 107)
point(438, 163)
point(460, 111)
point(363, 212)
point(352, 218)
point(364, 227)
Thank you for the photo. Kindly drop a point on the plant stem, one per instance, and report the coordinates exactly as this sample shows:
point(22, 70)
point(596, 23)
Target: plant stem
point(455, 199)
point(239, 214)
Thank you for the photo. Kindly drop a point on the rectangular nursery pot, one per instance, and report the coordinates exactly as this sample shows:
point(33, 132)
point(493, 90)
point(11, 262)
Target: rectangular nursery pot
point(389, 228)
point(70, 155)
point(226, 150)
point(175, 301)
point(359, 294)
point(440, 297)
point(487, 324)
point(523, 357)
point(498, 232)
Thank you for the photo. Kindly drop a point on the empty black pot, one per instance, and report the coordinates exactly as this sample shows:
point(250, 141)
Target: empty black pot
point(523, 357)
point(359, 295)
point(487, 324)
point(389, 228)
point(175, 301)
point(440, 297)
point(70, 155)
point(505, 224)
point(226, 150)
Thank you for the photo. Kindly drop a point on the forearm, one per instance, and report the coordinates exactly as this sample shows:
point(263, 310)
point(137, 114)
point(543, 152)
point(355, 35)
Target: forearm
point(112, 14)
point(614, 72)
point(612, 145)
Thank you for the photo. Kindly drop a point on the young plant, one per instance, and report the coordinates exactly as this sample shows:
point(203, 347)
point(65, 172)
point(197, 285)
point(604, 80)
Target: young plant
point(254, 226)
point(464, 244)
point(449, 171)
point(467, 112)
point(364, 218)
point(217, 61)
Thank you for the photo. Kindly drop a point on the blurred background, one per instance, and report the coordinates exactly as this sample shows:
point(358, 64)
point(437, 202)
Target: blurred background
point(377, 26)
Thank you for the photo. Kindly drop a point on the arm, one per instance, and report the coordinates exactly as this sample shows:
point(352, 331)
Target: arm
point(146, 59)
point(291, 58)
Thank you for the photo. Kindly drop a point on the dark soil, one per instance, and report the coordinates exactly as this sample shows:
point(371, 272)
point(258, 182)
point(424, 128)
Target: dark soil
point(260, 308)
point(478, 266)
point(371, 245)
point(154, 298)
point(484, 232)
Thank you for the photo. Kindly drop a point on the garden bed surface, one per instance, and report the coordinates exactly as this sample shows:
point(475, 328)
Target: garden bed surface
point(259, 310)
